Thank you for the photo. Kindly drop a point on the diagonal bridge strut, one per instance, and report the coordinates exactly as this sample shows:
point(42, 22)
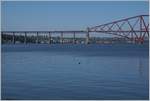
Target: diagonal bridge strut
point(133, 28)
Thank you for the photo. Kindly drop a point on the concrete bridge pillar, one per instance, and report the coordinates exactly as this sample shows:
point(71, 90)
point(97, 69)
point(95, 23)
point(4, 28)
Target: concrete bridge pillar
point(25, 38)
point(37, 39)
point(13, 39)
point(74, 41)
point(61, 38)
point(49, 38)
point(87, 36)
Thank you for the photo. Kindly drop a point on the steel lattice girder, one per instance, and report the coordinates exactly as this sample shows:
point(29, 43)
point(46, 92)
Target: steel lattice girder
point(136, 27)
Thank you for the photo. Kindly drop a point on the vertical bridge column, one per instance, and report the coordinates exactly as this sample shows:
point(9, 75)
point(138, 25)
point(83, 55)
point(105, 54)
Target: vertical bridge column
point(25, 38)
point(87, 36)
point(61, 38)
point(13, 38)
point(74, 41)
point(37, 39)
point(141, 37)
point(1, 37)
point(49, 38)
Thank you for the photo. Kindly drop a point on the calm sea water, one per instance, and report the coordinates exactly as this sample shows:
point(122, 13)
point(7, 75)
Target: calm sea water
point(75, 72)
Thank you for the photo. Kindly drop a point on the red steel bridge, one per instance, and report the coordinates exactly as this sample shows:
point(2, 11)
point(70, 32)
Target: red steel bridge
point(135, 29)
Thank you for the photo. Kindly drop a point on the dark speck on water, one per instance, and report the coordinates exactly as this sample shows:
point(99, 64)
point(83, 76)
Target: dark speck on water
point(52, 72)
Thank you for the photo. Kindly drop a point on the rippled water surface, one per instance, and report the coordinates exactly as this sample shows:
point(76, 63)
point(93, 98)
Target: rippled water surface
point(75, 72)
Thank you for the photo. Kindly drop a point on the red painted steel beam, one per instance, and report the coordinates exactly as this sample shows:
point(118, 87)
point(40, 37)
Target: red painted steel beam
point(119, 21)
point(113, 28)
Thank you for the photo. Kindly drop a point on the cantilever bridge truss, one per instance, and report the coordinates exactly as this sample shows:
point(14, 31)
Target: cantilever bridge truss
point(133, 28)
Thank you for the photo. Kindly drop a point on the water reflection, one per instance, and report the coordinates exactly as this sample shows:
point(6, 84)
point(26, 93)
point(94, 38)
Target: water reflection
point(140, 65)
point(74, 75)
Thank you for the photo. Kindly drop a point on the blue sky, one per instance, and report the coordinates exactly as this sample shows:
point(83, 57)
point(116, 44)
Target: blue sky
point(61, 15)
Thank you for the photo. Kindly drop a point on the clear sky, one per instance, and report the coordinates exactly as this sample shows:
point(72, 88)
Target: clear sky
point(65, 15)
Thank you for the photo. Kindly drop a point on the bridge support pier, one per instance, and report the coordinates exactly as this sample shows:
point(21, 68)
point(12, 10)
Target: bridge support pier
point(13, 39)
point(140, 40)
point(25, 38)
point(61, 38)
point(49, 38)
point(74, 41)
point(87, 36)
point(37, 39)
